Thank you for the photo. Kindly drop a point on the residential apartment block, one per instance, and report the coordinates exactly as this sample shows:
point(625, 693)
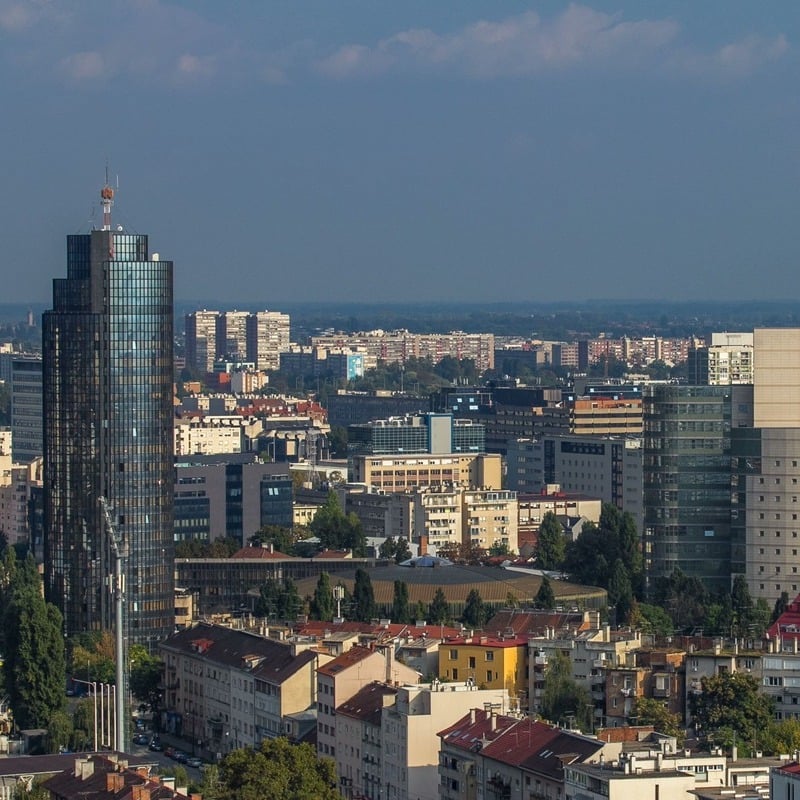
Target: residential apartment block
point(227, 688)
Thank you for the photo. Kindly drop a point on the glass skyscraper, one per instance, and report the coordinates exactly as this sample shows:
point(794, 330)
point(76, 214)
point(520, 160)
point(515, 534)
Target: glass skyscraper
point(687, 483)
point(107, 377)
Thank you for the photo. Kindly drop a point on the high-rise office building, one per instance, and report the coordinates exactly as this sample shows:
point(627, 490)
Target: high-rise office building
point(26, 407)
point(107, 349)
point(687, 482)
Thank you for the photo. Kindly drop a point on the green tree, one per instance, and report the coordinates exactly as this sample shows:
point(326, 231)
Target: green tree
point(545, 597)
point(552, 544)
point(562, 697)
point(500, 548)
point(400, 609)
point(420, 611)
point(648, 711)
point(439, 609)
point(388, 548)
point(34, 665)
point(620, 594)
point(277, 770)
point(145, 676)
point(402, 551)
point(781, 605)
point(337, 440)
point(282, 539)
point(475, 611)
point(782, 736)
point(59, 731)
point(279, 600)
point(337, 530)
point(650, 619)
point(364, 608)
point(92, 656)
point(732, 700)
point(322, 604)
point(83, 725)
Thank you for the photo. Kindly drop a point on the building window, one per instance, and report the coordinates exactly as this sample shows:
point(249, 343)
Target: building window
point(454, 655)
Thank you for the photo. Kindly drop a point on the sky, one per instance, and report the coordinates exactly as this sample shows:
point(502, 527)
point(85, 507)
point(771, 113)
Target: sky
point(367, 151)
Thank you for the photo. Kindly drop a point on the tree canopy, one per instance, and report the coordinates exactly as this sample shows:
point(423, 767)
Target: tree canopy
point(732, 703)
point(363, 597)
point(277, 770)
point(337, 530)
point(34, 666)
point(552, 544)
point(439, 609)
point(322, 604)
point(400, 608)
point(562, 697)
point(476, 613)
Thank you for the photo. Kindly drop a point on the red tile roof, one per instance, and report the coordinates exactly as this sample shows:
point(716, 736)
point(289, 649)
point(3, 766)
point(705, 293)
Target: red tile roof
point(367, 703)
point(787, 626)
point(488, 641)
point(346, 660)
point(475, 729)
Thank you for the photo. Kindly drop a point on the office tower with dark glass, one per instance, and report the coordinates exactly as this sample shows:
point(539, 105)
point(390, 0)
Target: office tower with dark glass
point(107, 376)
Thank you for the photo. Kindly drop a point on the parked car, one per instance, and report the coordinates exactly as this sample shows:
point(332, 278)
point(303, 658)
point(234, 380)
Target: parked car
point(155, 745)
point(141, 738)
point(194, 761)
point(169, 752)
point(180, 756)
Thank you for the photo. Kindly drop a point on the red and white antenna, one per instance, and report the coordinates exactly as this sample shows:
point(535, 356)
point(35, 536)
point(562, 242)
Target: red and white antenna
point(107, 199)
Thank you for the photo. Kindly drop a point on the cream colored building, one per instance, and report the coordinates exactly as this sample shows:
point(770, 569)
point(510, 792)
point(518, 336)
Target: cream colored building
point(341, 678)
point(396, 473)
point(410, 728)
point(227, 688)
point(213, 434)
point(770, 466)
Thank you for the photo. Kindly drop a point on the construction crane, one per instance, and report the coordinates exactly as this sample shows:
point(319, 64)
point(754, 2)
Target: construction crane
point(119, 550)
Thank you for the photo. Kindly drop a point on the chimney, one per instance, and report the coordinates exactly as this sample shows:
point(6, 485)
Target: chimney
point(84, 768)
point(388, 656)
point(115, 781)
point(472, 716)
point(659, 760)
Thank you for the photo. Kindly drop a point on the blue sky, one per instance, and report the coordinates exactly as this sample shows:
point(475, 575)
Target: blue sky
point(375, 151)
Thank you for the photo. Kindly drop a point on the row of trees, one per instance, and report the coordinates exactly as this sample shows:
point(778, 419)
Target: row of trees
point(609, 555)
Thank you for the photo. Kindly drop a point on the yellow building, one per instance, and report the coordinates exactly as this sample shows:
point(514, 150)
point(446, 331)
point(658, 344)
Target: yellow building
point(489, 662)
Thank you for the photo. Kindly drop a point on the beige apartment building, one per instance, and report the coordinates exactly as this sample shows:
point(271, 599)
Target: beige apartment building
point(341, 678)
point(455, 514)
point(768, 464)
point(396, 473)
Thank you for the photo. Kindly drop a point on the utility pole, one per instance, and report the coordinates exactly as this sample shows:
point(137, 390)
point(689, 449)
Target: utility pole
point(119, 551)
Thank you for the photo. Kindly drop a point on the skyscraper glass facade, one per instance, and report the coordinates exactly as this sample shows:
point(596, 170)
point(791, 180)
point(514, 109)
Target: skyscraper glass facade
point(107, 349)
point(687, 483)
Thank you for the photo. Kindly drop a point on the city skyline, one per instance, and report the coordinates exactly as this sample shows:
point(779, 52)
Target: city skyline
point(487, 151)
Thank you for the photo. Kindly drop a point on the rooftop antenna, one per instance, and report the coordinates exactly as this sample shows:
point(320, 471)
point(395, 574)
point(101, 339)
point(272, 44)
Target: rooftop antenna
point(107, 199)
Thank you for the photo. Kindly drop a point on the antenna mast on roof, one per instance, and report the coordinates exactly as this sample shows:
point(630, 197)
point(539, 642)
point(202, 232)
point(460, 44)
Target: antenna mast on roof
point(107, 199)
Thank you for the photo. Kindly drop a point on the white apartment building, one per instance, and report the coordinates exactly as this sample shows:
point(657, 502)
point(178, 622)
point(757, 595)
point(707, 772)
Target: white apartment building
point(213, 434)
point(267, 338)
point(410, 728)
point(341, 678)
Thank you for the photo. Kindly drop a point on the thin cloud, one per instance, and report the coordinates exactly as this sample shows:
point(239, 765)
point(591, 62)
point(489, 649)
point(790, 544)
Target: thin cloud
point(521, 45)
point(84, 66)
point(527, 44)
